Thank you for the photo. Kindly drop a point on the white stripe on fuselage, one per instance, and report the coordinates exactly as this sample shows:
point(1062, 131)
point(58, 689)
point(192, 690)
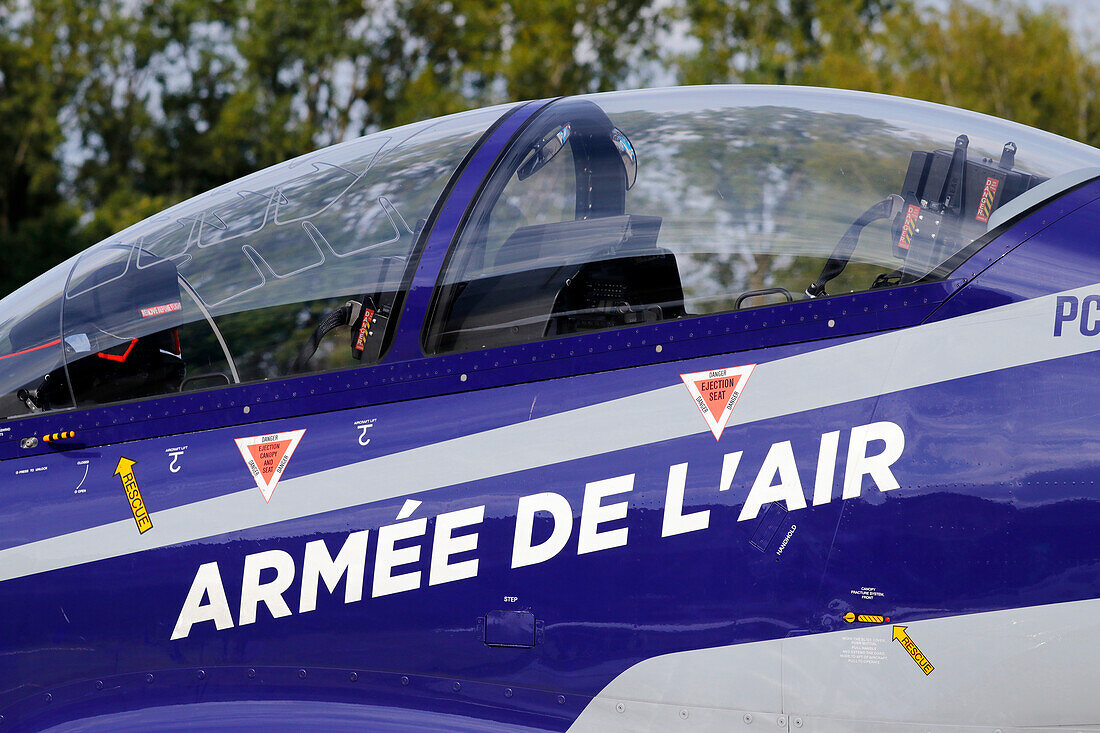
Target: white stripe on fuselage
point(1007, 336)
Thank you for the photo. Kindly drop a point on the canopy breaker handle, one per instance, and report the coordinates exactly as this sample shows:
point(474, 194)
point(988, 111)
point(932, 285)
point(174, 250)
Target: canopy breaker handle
point(342, 316)
point(888, 208)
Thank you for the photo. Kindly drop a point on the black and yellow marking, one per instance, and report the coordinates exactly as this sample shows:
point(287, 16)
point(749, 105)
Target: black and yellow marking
point(914, 651)
point(125, 471)
point(64, 435)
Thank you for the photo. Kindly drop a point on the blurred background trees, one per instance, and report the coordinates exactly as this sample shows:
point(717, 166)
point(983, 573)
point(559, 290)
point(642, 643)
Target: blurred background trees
point(111, 110)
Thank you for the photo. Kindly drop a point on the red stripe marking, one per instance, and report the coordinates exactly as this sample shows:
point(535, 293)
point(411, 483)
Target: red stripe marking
point(116, 357)
point(55, 342)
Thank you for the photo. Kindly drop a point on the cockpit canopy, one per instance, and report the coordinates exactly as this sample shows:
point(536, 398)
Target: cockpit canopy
point(229, 286)
point(607, 210)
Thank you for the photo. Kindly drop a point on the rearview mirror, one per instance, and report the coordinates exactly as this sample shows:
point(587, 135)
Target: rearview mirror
point(543, 152)
point(628, 155)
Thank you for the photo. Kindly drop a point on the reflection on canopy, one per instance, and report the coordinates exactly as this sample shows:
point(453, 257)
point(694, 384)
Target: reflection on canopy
point(606, 211)
point(230, 285)
point(749, 196)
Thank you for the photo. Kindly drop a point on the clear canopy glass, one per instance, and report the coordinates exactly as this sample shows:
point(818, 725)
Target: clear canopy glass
point(238, 283)
point(632, 207)
point(607, 210)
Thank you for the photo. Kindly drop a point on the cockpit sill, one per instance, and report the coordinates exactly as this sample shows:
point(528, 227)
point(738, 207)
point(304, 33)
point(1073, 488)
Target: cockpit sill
point(854, 316)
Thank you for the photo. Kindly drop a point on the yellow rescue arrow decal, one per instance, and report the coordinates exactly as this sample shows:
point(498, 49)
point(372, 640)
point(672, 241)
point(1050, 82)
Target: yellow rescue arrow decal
point(125, 470)
point(914, 651)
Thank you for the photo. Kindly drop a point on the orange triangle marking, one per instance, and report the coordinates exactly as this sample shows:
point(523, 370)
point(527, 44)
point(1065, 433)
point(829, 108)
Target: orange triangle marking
point(716, 392)
point(267, 456)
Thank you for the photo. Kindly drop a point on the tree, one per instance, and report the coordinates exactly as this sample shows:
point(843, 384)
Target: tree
point(1006, 60)
point(1003, 58)
point(39, 73)
point(115, 109)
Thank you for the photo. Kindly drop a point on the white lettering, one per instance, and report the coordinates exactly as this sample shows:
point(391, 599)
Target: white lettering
point(523, 552)
point(318, 564)
point(675, 521)
point(386, 558)
point(207, 584)
point(783, 544)
point(826, 468)
point(399, 545)
point(780, 460)
point(877, 467)
point(253, 592)
point(730, 462)
point(594, 513)
point(445, 544)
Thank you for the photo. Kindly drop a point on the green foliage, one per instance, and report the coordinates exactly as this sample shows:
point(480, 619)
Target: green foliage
point(39, 73)
point(1005, 60)
point(114, 109)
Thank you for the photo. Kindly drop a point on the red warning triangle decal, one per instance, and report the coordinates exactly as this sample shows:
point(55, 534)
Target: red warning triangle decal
point(267, 457)
point(716, 392)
